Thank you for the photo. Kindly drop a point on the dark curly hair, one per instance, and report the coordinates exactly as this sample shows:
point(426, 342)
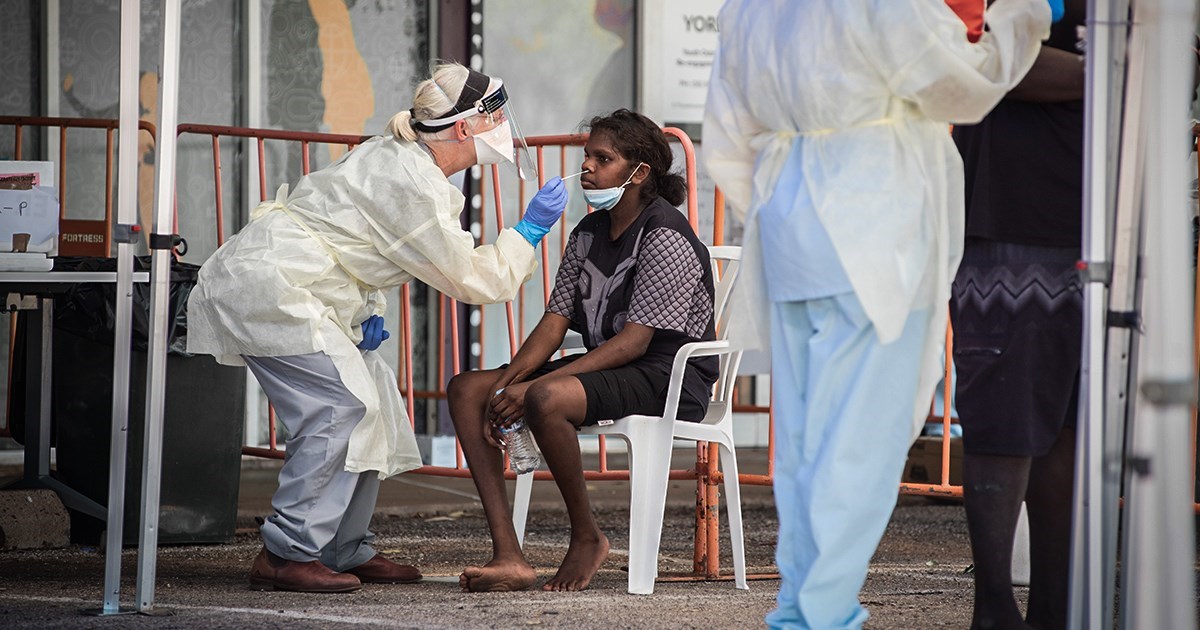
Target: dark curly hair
point(637, 139)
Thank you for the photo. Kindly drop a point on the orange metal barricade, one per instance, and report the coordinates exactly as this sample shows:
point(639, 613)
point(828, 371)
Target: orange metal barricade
point(22, 123)
point(704, 472)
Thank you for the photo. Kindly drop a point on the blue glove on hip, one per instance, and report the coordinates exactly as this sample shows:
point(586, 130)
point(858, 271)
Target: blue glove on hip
point(543, 211)
point(373, 333)
point(1056, 10)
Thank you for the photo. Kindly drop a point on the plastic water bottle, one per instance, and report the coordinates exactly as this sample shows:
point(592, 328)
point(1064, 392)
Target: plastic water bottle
point(523, 454)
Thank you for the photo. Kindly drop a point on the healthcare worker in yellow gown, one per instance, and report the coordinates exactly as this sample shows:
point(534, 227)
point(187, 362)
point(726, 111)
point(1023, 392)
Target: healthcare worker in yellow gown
point(826, 127)
point(297, 296)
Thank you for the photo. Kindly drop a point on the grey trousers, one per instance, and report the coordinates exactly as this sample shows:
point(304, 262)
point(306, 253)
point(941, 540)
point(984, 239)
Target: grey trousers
point(322, 512)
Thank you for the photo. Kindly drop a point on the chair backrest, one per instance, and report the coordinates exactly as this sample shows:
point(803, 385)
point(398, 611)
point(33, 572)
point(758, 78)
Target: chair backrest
point(726, 263)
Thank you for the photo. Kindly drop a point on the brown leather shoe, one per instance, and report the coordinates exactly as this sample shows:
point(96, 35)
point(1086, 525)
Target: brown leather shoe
point(270, 572)
point(380, 570)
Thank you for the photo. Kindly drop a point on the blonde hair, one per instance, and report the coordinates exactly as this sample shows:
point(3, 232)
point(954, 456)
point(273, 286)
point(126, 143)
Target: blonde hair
point(433, 97)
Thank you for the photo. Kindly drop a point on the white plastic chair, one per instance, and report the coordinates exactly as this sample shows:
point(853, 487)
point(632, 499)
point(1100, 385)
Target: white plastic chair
point(650, 440)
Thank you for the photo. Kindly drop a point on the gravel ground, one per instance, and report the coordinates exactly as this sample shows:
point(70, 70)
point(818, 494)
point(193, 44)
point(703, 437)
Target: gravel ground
point(916, 580)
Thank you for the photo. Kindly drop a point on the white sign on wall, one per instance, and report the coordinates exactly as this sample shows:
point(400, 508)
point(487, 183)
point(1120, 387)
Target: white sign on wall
point(677, 40)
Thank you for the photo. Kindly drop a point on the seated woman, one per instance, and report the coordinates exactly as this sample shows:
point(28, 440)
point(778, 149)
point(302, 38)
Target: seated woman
point(636, 282)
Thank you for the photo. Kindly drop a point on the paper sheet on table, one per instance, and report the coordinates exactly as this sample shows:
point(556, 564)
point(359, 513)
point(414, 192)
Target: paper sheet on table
point(34, 212)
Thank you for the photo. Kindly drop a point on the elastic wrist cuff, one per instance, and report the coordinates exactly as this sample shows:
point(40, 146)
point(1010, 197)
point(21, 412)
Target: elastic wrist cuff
point(532, 233)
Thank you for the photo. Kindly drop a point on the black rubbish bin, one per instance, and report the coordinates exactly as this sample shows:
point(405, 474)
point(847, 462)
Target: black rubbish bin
point(202, 421)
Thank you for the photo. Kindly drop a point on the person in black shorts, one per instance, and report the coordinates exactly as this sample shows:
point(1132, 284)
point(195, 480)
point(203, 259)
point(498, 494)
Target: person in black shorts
point(1016, 307)
point(636, 283)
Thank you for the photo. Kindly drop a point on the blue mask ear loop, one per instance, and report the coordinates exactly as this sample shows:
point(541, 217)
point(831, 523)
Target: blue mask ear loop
point(629, 180)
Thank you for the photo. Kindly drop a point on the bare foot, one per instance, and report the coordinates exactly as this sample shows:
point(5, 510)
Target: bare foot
point(497, 575)
point(580, 565)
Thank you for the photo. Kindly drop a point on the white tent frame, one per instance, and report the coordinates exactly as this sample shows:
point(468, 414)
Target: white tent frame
point(1137, 383)
point(161, 243)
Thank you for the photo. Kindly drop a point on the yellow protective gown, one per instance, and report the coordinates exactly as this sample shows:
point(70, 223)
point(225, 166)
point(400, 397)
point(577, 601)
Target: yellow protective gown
point(866, 89)
point(310, 267)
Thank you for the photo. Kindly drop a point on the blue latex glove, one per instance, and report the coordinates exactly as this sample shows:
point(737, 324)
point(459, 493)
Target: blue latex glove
point(373, 333)
point(1056, 10)
point(547, 205)
point(543, 211)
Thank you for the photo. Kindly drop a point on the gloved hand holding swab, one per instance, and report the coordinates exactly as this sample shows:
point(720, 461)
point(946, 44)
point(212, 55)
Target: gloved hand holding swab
point(543, 211)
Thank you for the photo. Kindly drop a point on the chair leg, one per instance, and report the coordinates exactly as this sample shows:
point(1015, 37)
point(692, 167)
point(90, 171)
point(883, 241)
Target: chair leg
point(650, 465)
point(520, 508)
point(733, 506)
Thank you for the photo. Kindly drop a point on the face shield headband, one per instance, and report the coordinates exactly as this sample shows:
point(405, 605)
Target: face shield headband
point(473, 100)
point(476, 100)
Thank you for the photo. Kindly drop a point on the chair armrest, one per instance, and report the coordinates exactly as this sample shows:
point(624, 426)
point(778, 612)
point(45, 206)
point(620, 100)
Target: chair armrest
point(689, 351)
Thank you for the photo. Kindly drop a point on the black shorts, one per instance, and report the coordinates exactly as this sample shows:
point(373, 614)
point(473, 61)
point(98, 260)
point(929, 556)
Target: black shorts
point(626, 390)
point(1017, 312)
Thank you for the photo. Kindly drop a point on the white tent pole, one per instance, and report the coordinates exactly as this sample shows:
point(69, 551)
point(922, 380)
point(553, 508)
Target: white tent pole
point(1086, 576)
point(161, 243)
point(51, 77)
point(1158, 569)
point(252, 83)
point(1124, 332)
point(127, 161)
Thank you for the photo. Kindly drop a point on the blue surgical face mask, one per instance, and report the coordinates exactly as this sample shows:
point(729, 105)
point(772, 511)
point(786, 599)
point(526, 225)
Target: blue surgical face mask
point(606, 198)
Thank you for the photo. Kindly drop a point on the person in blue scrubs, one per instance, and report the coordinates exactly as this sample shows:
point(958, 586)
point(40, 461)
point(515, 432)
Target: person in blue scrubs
point(826, 127)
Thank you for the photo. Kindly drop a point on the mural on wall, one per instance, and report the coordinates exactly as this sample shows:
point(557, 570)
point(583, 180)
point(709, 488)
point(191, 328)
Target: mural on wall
point(341, 66)
point(345, 83)
point(89, 67)
point(293, 71)
point(561, 62)
point(18, 72)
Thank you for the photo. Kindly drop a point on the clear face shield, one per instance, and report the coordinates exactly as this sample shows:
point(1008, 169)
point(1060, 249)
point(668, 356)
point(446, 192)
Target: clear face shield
point(497, 107)
point(497, 135)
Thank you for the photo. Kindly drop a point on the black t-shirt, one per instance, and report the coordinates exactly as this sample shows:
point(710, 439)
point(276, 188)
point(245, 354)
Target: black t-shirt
point(1024, 164)
point(656, 273)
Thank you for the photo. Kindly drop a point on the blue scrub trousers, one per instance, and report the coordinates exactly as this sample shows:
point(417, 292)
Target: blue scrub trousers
point(322, 512)
point(843, 425)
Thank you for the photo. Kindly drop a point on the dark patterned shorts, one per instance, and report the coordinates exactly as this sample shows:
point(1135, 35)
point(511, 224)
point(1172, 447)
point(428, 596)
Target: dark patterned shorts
point(1017, 312)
